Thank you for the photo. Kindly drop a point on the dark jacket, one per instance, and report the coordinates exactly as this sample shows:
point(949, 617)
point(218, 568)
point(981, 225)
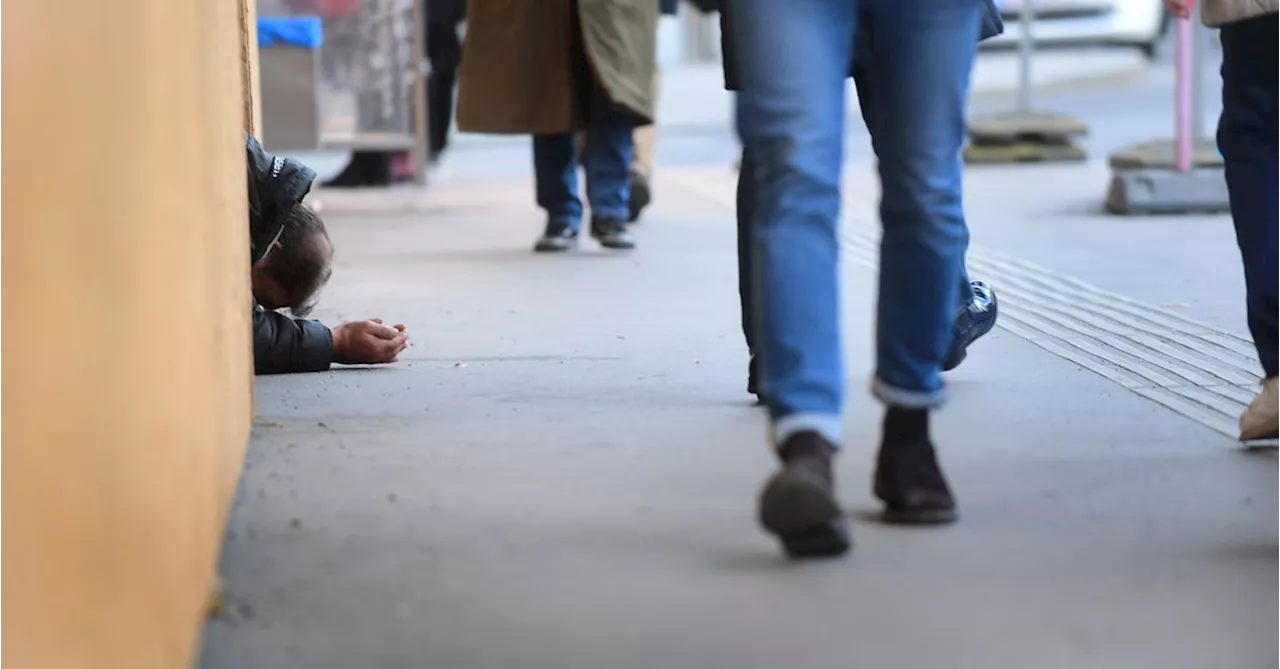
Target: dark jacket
point(992, 25)
point(277, 185)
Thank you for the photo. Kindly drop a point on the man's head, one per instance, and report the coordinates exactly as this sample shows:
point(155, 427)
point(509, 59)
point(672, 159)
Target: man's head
point(297, 266)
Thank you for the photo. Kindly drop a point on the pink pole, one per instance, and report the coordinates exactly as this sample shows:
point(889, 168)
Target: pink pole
point(1183, 116)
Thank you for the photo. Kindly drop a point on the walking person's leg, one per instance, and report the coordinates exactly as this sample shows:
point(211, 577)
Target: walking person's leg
point(608, 162)
point(746, 211)
point(977, 308)
point(444, 51)
point(645, 139)
point(794, 61)
point(923, 55)
point(1247, 138)
point(555, 173)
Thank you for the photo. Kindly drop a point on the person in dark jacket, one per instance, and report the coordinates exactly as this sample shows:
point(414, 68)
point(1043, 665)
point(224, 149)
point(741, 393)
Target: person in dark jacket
point(291, 257)
point(444, 51)
point(551, 68)
point(977, 306)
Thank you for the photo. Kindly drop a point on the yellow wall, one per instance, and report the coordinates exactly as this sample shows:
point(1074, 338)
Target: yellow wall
point(126, 369)
point(250, 82)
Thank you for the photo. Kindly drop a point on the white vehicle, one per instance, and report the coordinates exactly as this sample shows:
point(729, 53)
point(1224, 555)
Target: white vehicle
point(1136, 23)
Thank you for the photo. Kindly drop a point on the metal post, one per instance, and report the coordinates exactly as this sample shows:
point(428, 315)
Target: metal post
point(1024, 134)
point(1025, 47)
point(1167, 176)
point(1183, 103)
point(698, 43)
point(1198, 34)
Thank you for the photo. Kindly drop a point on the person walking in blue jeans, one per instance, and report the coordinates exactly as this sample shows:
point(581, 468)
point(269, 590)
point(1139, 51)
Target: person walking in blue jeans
point(1248, 132)
point(607, 161)
point(553, 67)
point(794, 59)
point(977, 307)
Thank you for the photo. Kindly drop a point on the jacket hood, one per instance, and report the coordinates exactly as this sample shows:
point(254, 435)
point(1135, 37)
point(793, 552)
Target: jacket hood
point(276, 186)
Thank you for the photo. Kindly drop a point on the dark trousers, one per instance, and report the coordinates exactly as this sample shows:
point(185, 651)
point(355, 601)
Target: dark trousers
point(1247, 136)
point(444, 50)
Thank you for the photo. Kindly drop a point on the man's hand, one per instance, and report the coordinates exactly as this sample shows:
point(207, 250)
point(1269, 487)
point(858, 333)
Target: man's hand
point(368, 342)
point(1180, 8)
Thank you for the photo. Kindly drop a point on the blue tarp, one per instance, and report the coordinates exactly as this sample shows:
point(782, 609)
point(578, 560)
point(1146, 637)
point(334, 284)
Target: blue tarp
point(303, 31)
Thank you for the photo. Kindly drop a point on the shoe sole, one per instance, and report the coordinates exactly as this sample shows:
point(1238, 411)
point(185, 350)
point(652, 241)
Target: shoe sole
point(552, 247)
point(804, 517)
point(1258, 434)
point(617, 246)
point(902, 516)
point(951, 363)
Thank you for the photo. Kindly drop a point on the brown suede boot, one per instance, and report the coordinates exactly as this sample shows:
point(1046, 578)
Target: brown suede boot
point(798, 504)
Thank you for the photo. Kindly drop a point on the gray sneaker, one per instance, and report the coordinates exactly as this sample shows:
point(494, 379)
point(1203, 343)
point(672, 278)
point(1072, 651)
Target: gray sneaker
point(612, 233)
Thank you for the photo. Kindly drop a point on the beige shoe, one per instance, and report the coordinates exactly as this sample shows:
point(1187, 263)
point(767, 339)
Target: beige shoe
point(1262, 419)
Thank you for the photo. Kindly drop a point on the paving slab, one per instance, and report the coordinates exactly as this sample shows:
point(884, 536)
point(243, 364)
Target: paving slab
point(561, 473)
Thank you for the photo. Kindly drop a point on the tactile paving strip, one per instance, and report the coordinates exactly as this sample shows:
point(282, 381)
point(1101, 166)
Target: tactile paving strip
point(1196, 370)
point(1204, 373)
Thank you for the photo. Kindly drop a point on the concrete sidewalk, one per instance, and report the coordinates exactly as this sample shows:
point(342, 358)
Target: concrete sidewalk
point(562, 471)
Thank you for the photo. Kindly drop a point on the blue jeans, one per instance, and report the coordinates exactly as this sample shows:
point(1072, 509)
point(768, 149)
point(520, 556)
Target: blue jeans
point(795, 57)
point(746, 211)
point(608, 162)
point(1247, 135)
point(863, 72)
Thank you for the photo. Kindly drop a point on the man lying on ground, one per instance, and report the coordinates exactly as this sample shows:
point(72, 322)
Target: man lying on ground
point(291, 259)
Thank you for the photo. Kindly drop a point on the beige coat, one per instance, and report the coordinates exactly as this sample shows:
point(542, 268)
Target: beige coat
point(519, 73)
point(1222, 12)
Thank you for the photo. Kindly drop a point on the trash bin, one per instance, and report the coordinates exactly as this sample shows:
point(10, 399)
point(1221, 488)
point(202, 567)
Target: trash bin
point(289, 70)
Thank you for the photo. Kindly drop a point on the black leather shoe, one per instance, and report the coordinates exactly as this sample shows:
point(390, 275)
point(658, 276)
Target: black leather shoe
point(974, 320)
point(798, 504)
point(612, 233)
point(559, 236)
point(640, 197)
point(908, 479)
point(753, 381)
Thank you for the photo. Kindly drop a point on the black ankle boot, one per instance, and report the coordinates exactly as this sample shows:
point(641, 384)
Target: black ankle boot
point(753, 380)
point(908, 479)
point(798, 505)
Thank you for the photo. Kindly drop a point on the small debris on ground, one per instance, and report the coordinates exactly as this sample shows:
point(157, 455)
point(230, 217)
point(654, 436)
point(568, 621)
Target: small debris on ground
point(245, 611)
point(217, 602)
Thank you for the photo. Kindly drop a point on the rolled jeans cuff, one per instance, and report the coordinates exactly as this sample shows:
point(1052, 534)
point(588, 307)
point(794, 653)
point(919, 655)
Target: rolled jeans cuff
point(907, 399)
point(829, 426)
